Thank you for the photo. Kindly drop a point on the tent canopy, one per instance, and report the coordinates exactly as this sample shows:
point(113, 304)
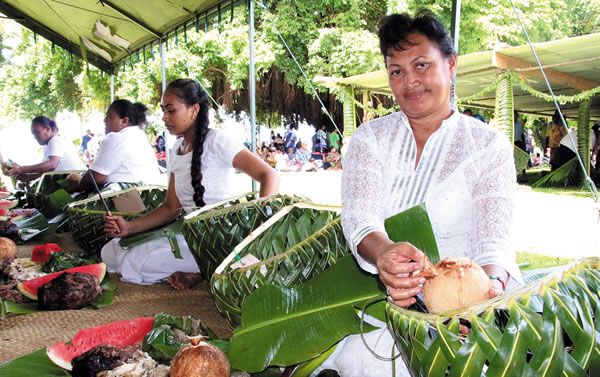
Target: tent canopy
point(572, 65)
point(105, 32)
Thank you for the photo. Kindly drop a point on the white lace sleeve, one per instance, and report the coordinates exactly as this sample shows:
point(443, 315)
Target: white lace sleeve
point(493, 195)
point(362, 191)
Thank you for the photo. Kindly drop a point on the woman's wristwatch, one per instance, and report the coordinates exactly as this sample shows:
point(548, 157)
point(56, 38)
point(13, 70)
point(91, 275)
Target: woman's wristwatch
point(496, 277)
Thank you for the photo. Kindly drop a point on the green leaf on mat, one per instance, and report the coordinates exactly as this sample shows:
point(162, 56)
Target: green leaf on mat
point(413, 225)
point(33, 226)
point(109, 288)
point(170, 231)
point(33, 364)
point(286, 326)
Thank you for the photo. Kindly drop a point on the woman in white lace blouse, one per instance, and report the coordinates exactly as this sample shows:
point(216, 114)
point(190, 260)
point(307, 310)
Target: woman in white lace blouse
point(459, 167)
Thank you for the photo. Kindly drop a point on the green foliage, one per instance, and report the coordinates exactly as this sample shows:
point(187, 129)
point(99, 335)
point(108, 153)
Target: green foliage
point(330, 37)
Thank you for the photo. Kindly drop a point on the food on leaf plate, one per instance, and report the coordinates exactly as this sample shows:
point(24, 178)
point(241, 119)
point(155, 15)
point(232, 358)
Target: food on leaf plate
point(69, 291)
point(117, 334)
point(30, 288)
point(8, 204)
point(199, 359)
point(42, 253)
point(9, 229)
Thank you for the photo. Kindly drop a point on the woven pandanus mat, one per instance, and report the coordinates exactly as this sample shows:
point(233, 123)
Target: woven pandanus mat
point(23, 334)
point(86, 217)
point(547, 328)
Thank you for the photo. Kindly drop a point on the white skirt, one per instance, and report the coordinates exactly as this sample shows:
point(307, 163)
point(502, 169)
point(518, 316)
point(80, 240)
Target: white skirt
point(148, 263)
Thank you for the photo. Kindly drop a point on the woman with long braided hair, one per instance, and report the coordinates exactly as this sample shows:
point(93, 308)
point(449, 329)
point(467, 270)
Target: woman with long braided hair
point(201, 165)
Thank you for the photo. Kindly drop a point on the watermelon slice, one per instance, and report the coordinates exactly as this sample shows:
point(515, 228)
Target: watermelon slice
point(117, 334)
point(4, 212)
point(8, 204)
point(4, 194)
point(29, 288)
point(41, 253)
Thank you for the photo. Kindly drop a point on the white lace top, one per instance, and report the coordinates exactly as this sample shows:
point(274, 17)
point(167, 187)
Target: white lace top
point(466, 177)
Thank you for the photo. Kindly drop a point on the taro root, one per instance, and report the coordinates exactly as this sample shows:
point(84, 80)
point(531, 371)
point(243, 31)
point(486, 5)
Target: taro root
point(69, 291)
point(200, 359)
point(9, 229)
point(457, 283)
point(100, 358)
point(8, 249)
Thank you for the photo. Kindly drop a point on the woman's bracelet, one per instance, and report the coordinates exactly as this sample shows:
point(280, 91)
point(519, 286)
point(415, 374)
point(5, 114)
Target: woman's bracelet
point(496, 277)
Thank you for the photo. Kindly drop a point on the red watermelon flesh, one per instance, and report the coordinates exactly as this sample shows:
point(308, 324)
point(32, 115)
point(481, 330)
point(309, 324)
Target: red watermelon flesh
point(4, 211)
point(4, 194)
point(117, 334)
point(8, 204)
point(29, 288)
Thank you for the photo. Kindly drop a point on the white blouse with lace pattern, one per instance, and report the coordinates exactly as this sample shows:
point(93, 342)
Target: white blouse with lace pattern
point(465, 176)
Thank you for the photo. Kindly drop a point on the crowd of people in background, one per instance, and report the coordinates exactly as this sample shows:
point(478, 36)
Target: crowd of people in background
point(290, 153)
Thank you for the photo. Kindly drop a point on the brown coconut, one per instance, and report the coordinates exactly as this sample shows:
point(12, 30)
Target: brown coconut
point(8, 249)
point(200, 359)
point(457, 283)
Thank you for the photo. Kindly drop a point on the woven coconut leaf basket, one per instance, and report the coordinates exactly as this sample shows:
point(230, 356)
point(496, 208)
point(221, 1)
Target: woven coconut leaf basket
point(38, 195)
point(86, 217)
point(293, 246)
point(547, 328)
point(212, 234)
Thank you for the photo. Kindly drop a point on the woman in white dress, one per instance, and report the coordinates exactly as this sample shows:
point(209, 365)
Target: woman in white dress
point(428, 153)
point(201, 165)
point(59, 155)
point(125, 155)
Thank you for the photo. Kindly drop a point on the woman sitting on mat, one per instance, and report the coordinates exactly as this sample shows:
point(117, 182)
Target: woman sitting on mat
point(59, 155)
point(125, 157)
point(201, 166)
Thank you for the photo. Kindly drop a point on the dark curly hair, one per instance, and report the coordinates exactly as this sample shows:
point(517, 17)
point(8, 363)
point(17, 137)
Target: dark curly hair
point(46, 122)
point(135, 112)
point(190, 93)
point(395, 28)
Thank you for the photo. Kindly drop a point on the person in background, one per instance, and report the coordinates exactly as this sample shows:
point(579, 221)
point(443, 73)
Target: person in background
point(556, 132)
point(84, 141)
point(334, 139)
point(59, 155)
point(202, 166)
point(519, 128)
point(125, 156)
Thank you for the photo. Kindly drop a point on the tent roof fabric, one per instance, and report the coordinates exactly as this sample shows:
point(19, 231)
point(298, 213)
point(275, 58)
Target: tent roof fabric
point(138, 22)
point(571, 64)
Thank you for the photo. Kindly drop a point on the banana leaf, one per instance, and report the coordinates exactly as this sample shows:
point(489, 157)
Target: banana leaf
point(559, 177)
point(170, 231)
point(33, 226)
point(34, 364)
point(286, 326)
point(413, 225)
point(105, 299)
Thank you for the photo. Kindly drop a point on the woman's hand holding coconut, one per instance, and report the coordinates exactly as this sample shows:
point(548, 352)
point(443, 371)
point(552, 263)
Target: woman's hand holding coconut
point(396, 264)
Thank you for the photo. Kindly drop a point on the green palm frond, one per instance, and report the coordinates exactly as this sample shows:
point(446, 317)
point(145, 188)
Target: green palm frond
point(86, 217)
point(504, 114)
point(548, 328)
point(40, 193)
point(521, 159)
point(583, 139)
point(293, 246)
point(212, 233)
point(561, 177)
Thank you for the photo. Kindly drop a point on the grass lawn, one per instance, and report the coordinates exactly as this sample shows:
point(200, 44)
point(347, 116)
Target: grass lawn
point(537, 172)
point(529, 261)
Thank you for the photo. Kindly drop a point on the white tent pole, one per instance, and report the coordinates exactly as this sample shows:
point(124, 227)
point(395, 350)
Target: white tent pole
point(252, 85)
point(169, 139)
point(112, 88)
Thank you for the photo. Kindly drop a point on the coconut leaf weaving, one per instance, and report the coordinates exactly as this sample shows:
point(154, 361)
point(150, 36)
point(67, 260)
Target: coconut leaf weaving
point(285, 326)
point(548, 328)
point(212, 235)
point(86, 217)
point(293, 246)
point(170, 232)
point(39, 195)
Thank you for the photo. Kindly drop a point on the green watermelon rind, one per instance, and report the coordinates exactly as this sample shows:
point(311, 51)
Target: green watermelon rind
point(30, 287)
point(117, 334)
